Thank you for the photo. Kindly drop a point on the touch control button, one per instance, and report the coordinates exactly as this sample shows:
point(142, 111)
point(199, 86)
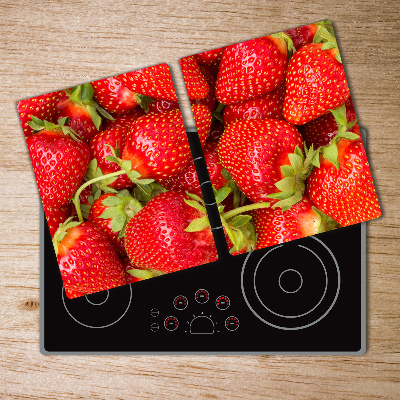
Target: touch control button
point(155, 327)
point(222, 302)
point(154, 312)
point(171, 323)
point(231, 323)
point(202, 296)
point(180, 302)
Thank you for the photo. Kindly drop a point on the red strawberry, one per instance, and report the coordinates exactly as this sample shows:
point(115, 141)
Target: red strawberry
point(302, 35)
point(155, 82)
point(124, 121)
point(320, 131)
point(253, 152)
point(187, 179)
point(196, 85)
point(202, 118)
point(156, 238)
point(113, 96)
point(100, 150)
point(274, 226)
point(315, 83)
point(110, 212)
point(87, 261)
point(83, 112)
point(210, 101)
point(134, 273)
point(345, 191)
point(56, 216)
point(157, 145)
point(269, 105)
point(43, 107)
point(59, 161)
point(250, 69)
point(159, 106)
point(210, 58)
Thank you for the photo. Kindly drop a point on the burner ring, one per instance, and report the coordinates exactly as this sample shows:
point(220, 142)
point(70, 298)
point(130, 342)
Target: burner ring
point(309, 306)
point(99, 308)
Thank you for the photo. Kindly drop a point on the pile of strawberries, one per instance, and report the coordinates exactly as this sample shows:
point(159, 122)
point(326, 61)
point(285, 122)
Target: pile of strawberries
point(118, 183)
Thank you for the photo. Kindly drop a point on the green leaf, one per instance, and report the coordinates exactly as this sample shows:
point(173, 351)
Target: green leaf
point(103, 112)
point(118, 222)
point(140, 273)
point(76, 94)
point(240, 220)
point(109, 213)
point(111, 201)
point(286, 184)
point(296, 161)
point(331, 154)
point(287, 203)
point(340, 116)
point(198, 224)
point(338, 57)
point(95, 117)
point(87, 93)
point(146, 181)
point(195, 204)
point(225, 174)
point(287, 170)
point(222, 194)
point(329, 45)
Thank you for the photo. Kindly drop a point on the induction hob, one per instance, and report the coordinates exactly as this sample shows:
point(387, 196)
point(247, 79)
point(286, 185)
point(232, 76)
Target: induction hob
point(307, 296)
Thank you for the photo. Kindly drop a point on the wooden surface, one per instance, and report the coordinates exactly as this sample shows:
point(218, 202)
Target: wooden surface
point(49, 45)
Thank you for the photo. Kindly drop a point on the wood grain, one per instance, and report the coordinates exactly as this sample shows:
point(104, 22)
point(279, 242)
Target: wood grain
point(48, 45)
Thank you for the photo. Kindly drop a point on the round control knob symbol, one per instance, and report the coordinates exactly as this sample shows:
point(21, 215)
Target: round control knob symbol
point(202, 296)
point(180, 302)
point(171, 323)
point(222, 302)
point(231, 323)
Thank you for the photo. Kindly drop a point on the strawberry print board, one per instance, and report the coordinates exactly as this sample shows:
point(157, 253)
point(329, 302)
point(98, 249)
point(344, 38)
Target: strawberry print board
point(289, 159)
point(117, 181)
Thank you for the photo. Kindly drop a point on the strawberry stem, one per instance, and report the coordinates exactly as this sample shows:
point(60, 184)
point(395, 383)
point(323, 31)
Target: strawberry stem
point(244, 209)
point(76, 201)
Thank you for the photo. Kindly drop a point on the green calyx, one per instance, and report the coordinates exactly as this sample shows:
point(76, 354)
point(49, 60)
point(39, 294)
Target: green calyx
point(83, 95)
point(330, 152)
point(39, 125)
point(144, 101)
point(326, 223)
point(217, 113)
point(292, 186)
point(326, 35)
point(94, 176)
point(120, 208)
point(62, 232)
point(288, 40)
point(145, 192)
point(236, 223)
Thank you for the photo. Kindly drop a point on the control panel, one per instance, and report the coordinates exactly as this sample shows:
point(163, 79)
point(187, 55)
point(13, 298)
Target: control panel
point(196, 313)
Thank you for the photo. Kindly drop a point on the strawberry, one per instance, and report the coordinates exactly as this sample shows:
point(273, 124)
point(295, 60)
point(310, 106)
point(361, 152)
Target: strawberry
point(342, 185)
point(302, 35)
point(269, 105)
point(320, 131)
point(43, 107)
point(202, 118)
point(134, 273)
point(111, 212)
point(83, 112)
point(274, 226)
point(250, 69)
point(210, 101)
point(159, 106)
point(87, 261)
point(155, 82)
point(113, 96)
point(210, 58)
point(157, 145)
point(315, 83)
point(59, 161)
point(254, 151)
point(102, 146)
point(196, 85)
point(187, 179)
point(124, 121)
point(156, 237)
point(56, 216)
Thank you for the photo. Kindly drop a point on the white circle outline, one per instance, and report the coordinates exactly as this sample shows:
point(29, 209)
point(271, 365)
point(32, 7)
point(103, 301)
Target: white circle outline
point(301, 280)
point(303, 326)
point(97, 327)
point(98, 304)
